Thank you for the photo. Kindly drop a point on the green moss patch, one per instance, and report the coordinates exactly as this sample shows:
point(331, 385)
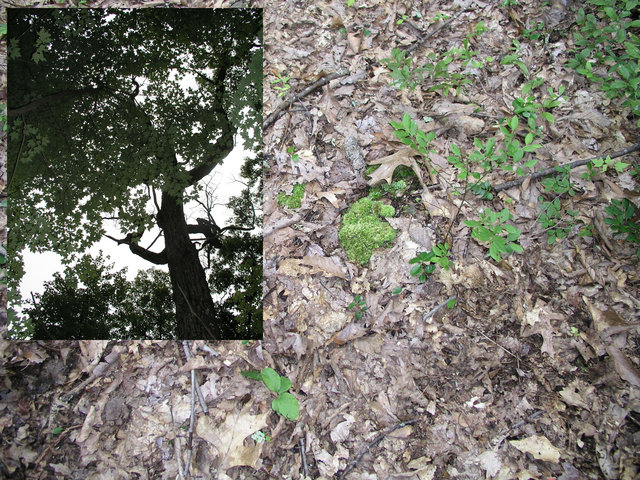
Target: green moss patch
point(294, 200)
point(363, 229)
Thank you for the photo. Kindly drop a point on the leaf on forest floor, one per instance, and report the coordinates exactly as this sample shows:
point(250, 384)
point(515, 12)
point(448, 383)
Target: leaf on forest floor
point(228, 438)
point(388, 165)
point(538, 446)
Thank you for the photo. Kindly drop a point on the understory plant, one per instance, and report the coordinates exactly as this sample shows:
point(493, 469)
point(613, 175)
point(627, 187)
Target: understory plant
point(425, 262)
point(285, 403)
point(492, 228)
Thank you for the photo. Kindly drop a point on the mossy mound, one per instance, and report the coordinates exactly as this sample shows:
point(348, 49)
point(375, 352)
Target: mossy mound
point(363, 230)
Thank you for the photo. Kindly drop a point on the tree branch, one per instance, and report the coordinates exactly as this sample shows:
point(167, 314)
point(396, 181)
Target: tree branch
point(574, 164)
point(153, 257)
point(63, 94)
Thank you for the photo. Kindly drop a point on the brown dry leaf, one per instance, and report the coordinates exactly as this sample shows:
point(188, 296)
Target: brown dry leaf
point(194, 363)
point(435, 206)
point(538, 320)
point(388, 164)
point(538, 446)
point(292, 267)
point(348, 333)
point(578, 394)
point(228, 438)
point(325, 265)
point(623, 366)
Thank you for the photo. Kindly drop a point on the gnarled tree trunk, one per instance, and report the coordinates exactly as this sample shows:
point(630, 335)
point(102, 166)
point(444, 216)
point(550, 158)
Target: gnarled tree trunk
point(195, 310)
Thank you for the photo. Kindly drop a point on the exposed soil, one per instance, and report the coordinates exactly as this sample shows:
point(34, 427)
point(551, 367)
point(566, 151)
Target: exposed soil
point(532, 374)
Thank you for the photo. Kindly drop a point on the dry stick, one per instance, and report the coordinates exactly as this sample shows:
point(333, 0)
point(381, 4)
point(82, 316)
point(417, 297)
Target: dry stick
point(426, 36)
point(574, 164)
point(273, 116)
point(340, 475)
point(305, 468)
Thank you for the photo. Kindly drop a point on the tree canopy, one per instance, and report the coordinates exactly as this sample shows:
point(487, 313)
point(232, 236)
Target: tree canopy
point(102, 127)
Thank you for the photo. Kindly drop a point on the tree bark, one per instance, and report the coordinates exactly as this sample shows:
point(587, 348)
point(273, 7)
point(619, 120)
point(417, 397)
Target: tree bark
point(195, 310)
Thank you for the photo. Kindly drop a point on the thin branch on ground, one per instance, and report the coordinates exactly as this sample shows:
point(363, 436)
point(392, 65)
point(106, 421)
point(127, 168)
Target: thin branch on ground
point(343, 473)
point(433, 311)
point(576, 163)
point(273, 116)
point(428, 35)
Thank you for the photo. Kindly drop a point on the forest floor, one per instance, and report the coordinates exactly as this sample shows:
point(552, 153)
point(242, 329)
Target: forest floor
point(533, 373)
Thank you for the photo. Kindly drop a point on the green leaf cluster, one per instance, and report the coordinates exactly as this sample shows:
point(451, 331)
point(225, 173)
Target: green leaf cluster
point(491, 228)
point(285, 403)
point(410, 134)
point(425, 262)
point(623, 219)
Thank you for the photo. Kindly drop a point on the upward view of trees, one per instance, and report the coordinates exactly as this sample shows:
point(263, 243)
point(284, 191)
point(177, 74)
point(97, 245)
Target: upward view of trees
point(104, 127)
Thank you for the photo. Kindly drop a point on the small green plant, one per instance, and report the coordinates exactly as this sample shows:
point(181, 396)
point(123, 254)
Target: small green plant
point(402, 19)
point(492, 228)
point(402, 73)
point(284, 86)
point(535, 33)
point(425, 262)
point(363, 230)
point(294, 200)
point(556, 220)
point(514, 150)
point(3, 28)
point(351, 3)
point(601, 165)
point(515, 58)
point(623, 219)
point(294, 156)
point(408, 133)
point(393, 189)
point(484, 158)
point(358, 306)
point(560, 184)
point(260, 437)
point(285, 403)
point(574, 331)
point(509, 3)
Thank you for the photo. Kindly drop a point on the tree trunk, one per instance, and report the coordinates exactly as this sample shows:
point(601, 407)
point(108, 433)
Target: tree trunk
point(195, 310)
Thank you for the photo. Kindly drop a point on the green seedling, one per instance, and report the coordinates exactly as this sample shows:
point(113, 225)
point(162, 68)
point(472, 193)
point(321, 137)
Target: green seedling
point(351, 3)
point(396, 291)
point(284, 86)
point(363, 230)
point(623, 219)
point(603, 164)
point(514, 59)
point(294, 200)
point(560, 184)
point(492, 228)
point(556, 220)
point(401, 20)
point(285, 403)
point(402, 73)
point(574, 332)
point(260, 437)
point(514, 150)
point(535, 33)
point(408, 133)
point(425, 263)
point(294, 156)
point(358, 306)
point(393, 189)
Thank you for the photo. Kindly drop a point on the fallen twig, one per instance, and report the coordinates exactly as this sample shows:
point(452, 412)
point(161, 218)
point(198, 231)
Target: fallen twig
point(343, 473)
point(428, 35)
point(273, 116)
point(574, 164)
point(435, 309)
